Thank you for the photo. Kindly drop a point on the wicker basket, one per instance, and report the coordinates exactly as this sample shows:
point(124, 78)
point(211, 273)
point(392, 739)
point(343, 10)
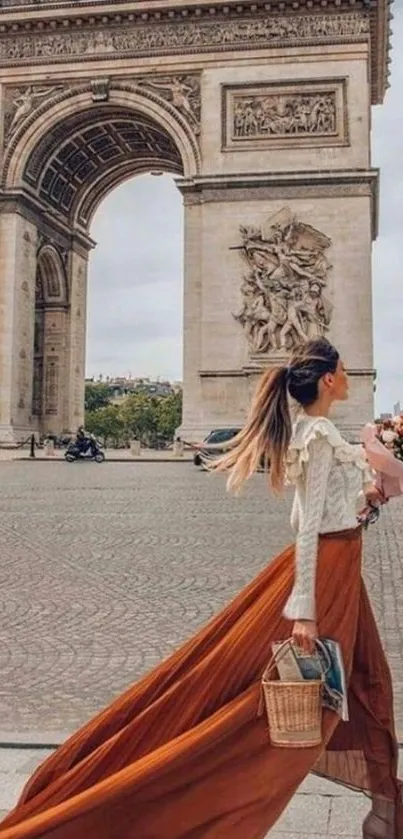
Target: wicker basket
point(294, 709)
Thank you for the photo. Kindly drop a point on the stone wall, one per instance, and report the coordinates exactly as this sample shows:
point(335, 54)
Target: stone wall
point(291, 158)
point(298, 75)
point(17, 305)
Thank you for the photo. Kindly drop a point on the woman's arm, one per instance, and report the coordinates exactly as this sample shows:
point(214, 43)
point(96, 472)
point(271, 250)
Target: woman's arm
point(294, 520)
point(301, 604)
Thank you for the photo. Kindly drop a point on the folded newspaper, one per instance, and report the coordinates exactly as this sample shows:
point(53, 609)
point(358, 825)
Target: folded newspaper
point(325, 663)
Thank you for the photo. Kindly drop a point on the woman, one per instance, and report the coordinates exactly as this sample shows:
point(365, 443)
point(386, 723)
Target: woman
point(182, 754)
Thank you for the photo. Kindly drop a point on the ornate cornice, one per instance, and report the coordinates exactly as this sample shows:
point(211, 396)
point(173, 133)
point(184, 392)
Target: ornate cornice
point(60, 33)
point(258, 180)
point(381, 32)
point(158, 9)
point(285, 185)
point(255, 370)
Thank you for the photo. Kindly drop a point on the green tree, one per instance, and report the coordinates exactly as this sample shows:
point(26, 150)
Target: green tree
point(169, 415)
point(97, 395)
point(106, 424)
point(139, 416)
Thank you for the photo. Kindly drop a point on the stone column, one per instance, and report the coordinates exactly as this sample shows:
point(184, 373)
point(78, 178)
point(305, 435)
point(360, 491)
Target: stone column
point(215, 386)
point(18, 239)
point(76, 339)
point(192, 321)
point(54, 397)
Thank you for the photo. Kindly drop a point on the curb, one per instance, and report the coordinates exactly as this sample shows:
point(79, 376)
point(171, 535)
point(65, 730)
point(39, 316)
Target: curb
point(29, 741)
point(26, 745)
point(111, 460)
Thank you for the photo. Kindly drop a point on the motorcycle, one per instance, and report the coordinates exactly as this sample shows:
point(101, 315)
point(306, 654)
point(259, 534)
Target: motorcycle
point(76, 452)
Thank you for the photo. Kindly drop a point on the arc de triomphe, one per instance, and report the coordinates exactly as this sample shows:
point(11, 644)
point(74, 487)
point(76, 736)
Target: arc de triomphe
point(262, 110)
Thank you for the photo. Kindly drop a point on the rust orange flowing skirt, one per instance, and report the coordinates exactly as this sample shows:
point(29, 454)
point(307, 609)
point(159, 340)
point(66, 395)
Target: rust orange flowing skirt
point(183, 755)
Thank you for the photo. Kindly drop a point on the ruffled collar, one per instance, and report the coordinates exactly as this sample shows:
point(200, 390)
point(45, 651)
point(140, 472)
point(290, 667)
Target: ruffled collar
point(307, 429)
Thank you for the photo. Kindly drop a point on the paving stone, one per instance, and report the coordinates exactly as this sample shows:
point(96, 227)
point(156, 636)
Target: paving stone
point(10, 788)
point(347, 815)
point(320, 786)
point(305, 814)
point(23, 761)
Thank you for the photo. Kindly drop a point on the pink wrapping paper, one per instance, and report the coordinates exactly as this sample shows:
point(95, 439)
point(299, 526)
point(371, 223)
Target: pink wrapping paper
point(389, 470)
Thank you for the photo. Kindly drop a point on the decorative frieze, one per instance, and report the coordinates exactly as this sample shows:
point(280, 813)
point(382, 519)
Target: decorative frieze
point(303, 113)
point(104, 38)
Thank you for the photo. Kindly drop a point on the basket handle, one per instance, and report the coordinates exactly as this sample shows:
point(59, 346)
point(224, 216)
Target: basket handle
point(278, 655)
point(288, 642)
point(270, 667)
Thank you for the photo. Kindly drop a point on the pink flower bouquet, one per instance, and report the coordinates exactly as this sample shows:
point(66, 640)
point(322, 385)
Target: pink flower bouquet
point(383, 443)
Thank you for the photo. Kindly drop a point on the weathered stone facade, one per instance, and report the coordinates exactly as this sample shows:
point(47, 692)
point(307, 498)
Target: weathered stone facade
point(263, 114)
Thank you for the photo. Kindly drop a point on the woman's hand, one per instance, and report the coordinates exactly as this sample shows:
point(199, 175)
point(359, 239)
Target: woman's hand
point(304, 635)
point(374, 496)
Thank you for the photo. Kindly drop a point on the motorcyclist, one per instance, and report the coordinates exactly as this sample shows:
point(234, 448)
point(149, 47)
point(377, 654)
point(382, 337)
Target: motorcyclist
point(82, 439)
point(85, 441)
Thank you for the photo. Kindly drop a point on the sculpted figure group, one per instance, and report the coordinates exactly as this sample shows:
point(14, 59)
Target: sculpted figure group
point(283, 300)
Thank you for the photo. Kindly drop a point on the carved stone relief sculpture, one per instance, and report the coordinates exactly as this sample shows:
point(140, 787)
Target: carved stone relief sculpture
point(279, 115)
point(22, 102)
point(181, 37)
point(183, 92)
point(284, 300)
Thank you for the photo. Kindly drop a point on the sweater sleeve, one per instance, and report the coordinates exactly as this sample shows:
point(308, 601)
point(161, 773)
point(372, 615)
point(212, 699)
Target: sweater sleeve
point(301, 604)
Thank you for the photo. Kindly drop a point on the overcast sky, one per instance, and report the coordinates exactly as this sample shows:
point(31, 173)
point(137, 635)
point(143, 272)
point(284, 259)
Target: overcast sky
point(135, 290)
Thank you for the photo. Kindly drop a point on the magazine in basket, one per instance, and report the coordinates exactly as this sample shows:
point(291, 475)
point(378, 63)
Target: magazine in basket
point(325, 663)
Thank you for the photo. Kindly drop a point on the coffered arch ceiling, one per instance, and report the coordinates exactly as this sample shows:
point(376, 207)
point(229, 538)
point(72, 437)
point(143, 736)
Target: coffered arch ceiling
point(77, 162)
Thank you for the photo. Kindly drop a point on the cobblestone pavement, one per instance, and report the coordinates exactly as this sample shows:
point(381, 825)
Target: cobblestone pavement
point(104, 570)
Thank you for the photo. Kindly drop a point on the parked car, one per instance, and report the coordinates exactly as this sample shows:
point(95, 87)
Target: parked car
point(210, 447)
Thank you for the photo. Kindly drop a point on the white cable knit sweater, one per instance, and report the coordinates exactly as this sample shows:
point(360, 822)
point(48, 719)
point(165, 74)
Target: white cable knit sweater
point(329, 476)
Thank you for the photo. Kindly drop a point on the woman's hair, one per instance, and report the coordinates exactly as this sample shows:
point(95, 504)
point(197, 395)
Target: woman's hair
point(266, 436)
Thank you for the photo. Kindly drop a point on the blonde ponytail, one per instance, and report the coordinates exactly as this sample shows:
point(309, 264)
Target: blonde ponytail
point(265, 436)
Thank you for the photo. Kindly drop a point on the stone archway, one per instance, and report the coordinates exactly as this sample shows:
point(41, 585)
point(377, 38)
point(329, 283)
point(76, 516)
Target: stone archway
point(262, 111)
point(57, 112)
point(66, 157)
